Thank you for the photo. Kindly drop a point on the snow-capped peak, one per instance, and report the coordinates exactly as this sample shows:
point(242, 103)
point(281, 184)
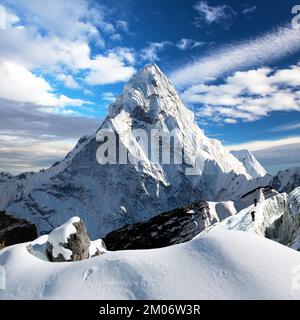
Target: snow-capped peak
point(148, 96)
point(108, 196)
point(253, 167)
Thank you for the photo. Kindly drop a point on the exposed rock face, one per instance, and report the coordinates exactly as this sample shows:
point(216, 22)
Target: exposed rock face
point(168, 228)
point(70, 242)
point(13, 230)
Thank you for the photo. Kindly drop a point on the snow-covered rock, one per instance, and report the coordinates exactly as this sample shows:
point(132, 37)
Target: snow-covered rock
point(108, 197)
point(97, 247)
point(287, 180)
point(222, 265)
point(253, 167)
point(70, 242)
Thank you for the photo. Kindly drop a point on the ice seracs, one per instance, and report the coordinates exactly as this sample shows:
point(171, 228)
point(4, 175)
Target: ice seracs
point(277, 218)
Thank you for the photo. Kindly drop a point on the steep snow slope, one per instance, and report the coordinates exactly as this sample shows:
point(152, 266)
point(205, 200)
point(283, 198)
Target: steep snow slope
point(223, 265)
point(108, 197)
point(253, 167)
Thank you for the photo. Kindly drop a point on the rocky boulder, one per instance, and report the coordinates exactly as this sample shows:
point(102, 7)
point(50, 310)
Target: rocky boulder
point(69, 242)
point(14, 230)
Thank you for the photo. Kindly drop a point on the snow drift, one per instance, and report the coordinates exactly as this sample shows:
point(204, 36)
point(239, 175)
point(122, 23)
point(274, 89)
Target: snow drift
point(222, 265)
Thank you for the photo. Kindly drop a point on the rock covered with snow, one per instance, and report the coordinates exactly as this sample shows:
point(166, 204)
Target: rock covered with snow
point(253, 167)
point(69, 242)
point(108, 197)
point(287, 180)
point(97, 247)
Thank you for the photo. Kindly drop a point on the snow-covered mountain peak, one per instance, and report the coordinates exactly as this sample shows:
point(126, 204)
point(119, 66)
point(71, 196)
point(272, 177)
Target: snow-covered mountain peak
point(109, 195)
point(253, 167)
point(149, 97)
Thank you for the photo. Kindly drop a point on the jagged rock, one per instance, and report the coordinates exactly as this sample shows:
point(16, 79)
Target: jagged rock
point(13, 230)
point(166, 229)
point(69, 242)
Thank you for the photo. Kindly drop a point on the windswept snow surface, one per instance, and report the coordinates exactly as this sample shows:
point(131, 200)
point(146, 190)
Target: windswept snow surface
point(222, 265)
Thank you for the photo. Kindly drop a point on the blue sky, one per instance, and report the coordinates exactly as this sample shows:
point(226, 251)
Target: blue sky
point(235, 64)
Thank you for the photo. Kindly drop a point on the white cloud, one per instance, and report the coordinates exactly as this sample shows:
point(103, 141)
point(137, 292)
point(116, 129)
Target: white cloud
point(248, 95)
point(230, 120)
point(185, 44)
point(213, 14)
point(68, 80)
point(264, 144)
point(150, 53)
point(108, 69)
point(254, 52)
point(56, 39)
point(67, 19)
point(19, 84)
point(108, 96)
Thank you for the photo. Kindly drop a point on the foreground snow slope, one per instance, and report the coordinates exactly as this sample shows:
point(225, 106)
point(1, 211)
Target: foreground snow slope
point(223, 265)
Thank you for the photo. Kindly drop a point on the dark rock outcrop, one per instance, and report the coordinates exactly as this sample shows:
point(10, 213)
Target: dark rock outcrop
point(14, 230)
point(176, 226)
point(78, 243)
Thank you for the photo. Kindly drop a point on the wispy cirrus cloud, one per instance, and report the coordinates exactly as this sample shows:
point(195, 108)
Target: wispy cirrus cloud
point(258, 51)
point(248, 9)
point(286, 127)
